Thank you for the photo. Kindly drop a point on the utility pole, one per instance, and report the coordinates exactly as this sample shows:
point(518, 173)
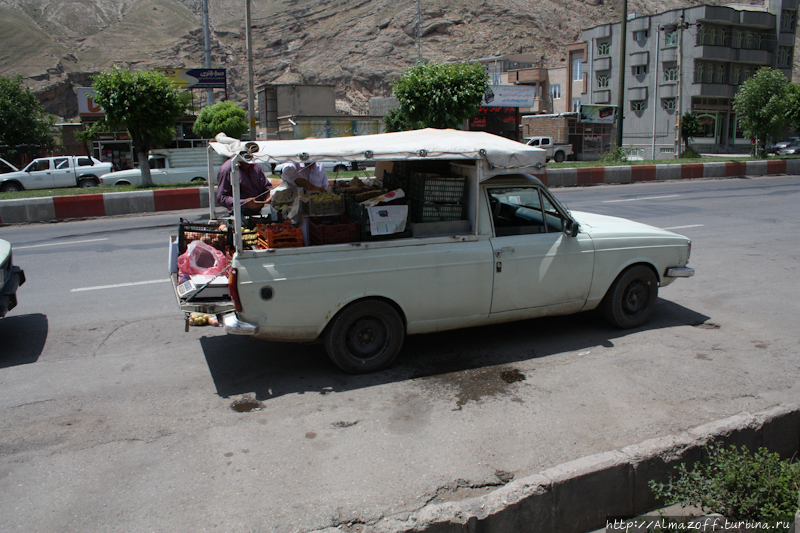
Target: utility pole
point(678, 99)
point(209, 92)
point(250, 85)
point(418, 31)
point(621, 95)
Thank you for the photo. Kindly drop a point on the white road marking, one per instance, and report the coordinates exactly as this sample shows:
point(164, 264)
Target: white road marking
point(57, 244)
point(642, 198)
point(120, 285)
point(684, 227)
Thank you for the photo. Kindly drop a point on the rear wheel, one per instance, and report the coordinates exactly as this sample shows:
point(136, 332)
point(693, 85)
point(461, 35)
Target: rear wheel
point(365, 337)
point(630, 301)
point(559, 157)
point(340, 168)
point(198, 179)
point(85, 183)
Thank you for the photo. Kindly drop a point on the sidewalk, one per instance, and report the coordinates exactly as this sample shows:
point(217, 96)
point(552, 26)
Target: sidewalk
point(47, 209)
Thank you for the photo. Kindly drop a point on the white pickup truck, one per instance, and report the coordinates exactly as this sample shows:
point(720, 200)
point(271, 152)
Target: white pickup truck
point(160, 171)
point(558, 152)
point(53, 172)
point(517, 254)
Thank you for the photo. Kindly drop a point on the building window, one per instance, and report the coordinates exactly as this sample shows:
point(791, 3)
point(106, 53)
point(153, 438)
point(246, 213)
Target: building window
point(701, 35)
point(576, 105)
point(667, 150)
point(737, 71)
point(577, 69)
point(712, 36)
point(602, 81)
point(722, 37)
point(738, 40)
point(670, 104)
point(759, 41)
point(748, 40)
point(785, 56)
point(698, 73)
point(670, 74)
point(638, 105)
point(720, 74)
point(641, 36)
point(787, 19)
point(555, 91)
point(671, 38)
point(640, 70)
point(603, 49)
point(710, 74)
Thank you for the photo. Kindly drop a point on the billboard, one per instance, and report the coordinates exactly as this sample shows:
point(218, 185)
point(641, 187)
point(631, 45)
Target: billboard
point(509, 96)
point(86, 105)
point(195, 78)
point(598, 114)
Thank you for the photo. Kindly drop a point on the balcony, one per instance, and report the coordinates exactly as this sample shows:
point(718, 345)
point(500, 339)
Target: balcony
point(602, 63)
point(668, 90)
point(760, 57)
point(639, 24)
point(718, 90)
point(639, 59)
point(637, 93)
point(759, 19)
point(527, 75)
point(669, 55)
point(718, 14)
point(602, 97)
point(719, 53)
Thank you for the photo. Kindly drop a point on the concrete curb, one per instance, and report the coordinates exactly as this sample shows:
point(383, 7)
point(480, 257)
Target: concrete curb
point(579, 495)
point(108, 204)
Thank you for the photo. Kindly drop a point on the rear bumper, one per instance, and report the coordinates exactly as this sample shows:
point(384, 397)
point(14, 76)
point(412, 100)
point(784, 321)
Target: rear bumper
point(679, 272)
point(234, 326)
point(8, 296)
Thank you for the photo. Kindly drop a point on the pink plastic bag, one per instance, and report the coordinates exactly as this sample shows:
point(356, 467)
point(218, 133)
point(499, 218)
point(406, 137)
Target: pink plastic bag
point(201, 259)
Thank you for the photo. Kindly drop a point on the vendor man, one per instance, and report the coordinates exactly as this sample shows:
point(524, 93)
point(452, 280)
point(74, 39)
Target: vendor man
point(308, 176)
point(254, 187)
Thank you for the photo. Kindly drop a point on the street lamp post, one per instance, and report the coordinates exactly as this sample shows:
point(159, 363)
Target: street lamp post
point(621, 95)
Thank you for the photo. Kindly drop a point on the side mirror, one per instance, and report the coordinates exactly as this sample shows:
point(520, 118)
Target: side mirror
point(571, 227)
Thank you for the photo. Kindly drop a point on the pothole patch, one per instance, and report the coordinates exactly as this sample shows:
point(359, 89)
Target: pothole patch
point(512, 376)
point(707, 325)
point(246, 405)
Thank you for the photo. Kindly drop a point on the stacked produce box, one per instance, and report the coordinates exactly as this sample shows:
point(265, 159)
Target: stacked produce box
point(434, 195)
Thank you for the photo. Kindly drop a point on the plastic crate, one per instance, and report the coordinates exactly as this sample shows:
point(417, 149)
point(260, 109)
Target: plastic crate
point(333, 229)
point(221, 239)
point(433, 212)
point(436, 188)
point(288, 237)
point(314, 209)
point(358, 213)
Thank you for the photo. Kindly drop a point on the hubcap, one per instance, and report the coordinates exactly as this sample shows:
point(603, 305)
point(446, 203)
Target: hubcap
point(636, 298)
point(367, 338)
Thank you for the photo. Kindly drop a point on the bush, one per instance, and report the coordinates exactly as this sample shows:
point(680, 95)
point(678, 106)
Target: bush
point(615, 154)
point(690, 153)
point(737, 485)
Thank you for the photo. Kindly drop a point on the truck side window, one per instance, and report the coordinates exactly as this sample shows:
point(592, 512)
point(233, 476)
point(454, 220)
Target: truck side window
point(158, 163)
point(62, 163)
point(41, 164)
point(85, 162)
point(555, 221)
point(517, 211)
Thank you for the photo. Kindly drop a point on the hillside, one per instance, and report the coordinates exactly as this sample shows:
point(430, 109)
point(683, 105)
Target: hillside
point(357, 45)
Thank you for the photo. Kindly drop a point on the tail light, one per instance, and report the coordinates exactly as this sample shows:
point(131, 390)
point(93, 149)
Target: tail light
point(689, 252)
point(233, 289)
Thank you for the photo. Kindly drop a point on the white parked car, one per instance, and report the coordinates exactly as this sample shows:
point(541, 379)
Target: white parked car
point(330, 166)
point(510, 252)
point(53, 172)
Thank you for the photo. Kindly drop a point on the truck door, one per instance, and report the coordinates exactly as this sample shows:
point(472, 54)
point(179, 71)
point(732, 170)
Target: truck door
point(158, 170)
point(536, 263)
point(63, 173)
point(38, 175)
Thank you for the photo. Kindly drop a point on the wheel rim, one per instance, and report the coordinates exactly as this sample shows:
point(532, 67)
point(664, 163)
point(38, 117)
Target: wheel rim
point(366, 339)
point(635, 298)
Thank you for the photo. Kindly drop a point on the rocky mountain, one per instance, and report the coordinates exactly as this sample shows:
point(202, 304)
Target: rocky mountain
point(357, 45)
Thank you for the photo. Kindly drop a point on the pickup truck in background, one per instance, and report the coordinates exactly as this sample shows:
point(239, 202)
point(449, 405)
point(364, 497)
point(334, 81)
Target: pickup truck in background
point(510, 252)
point(179, 165)
point(53, 172)
point(555, 151)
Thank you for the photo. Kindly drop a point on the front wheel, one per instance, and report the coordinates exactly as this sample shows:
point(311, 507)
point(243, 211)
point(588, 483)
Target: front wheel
point(631, 300)
point(340, 168)
point(86, 183)
point(11, 186)
point(365, 337)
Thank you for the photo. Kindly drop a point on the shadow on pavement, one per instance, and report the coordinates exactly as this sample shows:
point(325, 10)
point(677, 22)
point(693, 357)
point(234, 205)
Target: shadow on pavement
point(22, 338)
point(241, 365)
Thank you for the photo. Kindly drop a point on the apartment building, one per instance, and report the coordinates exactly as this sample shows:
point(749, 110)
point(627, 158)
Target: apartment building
point(692, 59)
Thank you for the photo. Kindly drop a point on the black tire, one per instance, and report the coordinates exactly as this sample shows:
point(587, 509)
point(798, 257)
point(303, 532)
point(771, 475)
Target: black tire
point(340, 168)
point(85, 183)
point(11, 186)
point(364, 337)
point(630, 301)
point(198, 179)
point(559, 157)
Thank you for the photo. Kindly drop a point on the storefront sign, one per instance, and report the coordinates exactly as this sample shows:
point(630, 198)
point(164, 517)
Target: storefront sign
point(599, 114)
point(510, 96)
point(86, 105)
point(195, 78)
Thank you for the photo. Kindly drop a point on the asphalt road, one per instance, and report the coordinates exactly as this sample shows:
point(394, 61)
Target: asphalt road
point(114, 419)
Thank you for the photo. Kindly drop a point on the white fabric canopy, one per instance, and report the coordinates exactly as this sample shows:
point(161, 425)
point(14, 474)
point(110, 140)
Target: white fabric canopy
point(428, 143)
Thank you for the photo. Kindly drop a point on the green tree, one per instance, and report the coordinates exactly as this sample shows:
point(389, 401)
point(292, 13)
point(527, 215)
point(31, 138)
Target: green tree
point(793, 103)
point(437, 95)
point(146, 103)
point(762, 105)
point(22, 116)
point(691, 127)
point(222, 117)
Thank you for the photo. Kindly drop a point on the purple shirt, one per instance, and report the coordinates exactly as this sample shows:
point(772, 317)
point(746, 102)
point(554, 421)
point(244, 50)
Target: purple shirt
point(252, 181)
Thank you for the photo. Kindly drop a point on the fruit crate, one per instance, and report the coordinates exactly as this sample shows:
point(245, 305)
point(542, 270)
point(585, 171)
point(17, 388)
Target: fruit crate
point(436, 188)
point(358, 213)
point(333, 229)
point(211, 234)
point(279, 236)
point(329, 206)
point(435, 212)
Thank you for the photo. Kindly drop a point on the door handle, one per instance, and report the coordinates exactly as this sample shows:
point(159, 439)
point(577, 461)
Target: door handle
point(505, 249)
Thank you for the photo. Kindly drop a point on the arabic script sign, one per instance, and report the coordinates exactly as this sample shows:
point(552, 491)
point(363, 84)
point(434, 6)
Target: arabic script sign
point(195, 78)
